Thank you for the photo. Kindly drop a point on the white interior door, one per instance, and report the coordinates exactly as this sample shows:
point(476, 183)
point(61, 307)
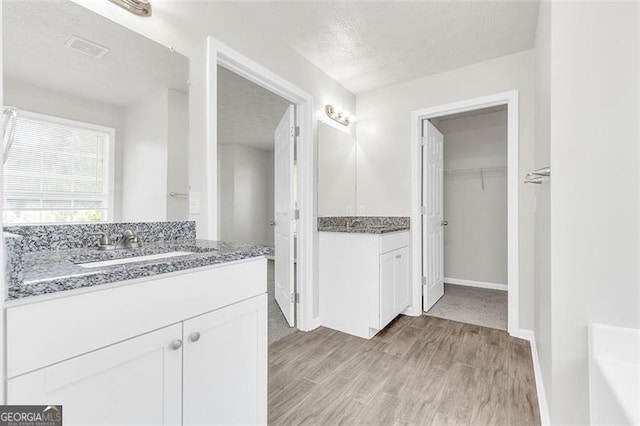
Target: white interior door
point(432, 218)
point(284, 215)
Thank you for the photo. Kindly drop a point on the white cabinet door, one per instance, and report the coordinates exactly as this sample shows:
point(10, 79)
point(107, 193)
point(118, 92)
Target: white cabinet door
point(387, 289)
point(401, 278)
point(136, 382)
point(225, 365)
point(394, 284)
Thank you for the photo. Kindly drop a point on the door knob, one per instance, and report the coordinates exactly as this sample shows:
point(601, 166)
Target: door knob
point(176, 344)
point(194, 337)
point(272, 223)
point(445, 223)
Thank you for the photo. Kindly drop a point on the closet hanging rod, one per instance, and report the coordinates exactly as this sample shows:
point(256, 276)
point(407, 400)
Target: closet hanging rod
point(475, 170)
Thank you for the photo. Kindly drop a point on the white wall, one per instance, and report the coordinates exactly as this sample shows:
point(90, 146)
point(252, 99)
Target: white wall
point(475, 239)
point(154, 157)
point(594, 194)
point(28, 97)
point(542, 255)
point(178, 155)
point(246, 192)
point(384, 138)
point(336, 172)
point(144, 159)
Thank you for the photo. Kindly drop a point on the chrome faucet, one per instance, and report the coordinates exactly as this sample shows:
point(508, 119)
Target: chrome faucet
point(104, 242)
point(352, 223)
point(129, 239)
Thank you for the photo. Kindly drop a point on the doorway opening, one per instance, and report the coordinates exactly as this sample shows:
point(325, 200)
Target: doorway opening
point(465, 206)
point(293, 212)
point(256, 175)
point(466, 218)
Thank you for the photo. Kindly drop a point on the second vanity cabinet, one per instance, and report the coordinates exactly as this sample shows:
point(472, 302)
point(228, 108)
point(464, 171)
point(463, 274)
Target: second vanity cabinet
point(208, 368)
point(364, 280)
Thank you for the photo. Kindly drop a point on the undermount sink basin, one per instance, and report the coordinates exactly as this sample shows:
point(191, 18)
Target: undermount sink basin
point(126, 260)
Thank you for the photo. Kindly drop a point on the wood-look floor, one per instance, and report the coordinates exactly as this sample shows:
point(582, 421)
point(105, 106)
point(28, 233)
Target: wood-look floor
point(419, 371)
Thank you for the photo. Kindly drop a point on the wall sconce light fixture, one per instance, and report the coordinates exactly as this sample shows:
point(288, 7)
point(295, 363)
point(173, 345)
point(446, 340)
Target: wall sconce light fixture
point(336, 116)
point(137, 7)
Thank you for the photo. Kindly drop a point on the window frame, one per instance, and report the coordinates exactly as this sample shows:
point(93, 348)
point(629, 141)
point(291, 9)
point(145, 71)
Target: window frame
point(110, 163)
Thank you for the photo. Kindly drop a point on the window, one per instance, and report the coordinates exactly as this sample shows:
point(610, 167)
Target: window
point(58, 171)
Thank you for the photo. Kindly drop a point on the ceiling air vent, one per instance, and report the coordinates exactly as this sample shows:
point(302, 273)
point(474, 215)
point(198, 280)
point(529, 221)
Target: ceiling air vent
point(86, 47)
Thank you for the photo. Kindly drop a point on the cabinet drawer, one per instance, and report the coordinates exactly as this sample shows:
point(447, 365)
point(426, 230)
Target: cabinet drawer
point(394, 241)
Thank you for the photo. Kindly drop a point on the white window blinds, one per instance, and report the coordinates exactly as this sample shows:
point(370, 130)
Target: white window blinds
point(57, 171)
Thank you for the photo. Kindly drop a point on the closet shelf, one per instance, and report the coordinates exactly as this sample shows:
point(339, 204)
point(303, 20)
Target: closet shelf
point(481, 172)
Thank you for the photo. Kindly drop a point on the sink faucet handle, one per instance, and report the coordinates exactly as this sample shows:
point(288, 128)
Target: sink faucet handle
point(104, 238)
point(130, 239)
point(136, 234)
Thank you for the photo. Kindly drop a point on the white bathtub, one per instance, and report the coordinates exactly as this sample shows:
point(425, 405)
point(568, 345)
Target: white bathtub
point(614, 375)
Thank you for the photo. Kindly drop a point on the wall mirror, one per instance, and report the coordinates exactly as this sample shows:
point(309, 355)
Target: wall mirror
point(336, 172)
point(102, 130)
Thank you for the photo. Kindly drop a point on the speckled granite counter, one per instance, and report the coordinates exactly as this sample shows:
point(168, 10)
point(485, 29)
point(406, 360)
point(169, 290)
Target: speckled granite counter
point(33, 270)
point(363, 224)
point(48, 272)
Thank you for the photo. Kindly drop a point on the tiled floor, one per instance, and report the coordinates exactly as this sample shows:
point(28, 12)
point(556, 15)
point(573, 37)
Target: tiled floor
point(419, 370)
point(278, 326)
point(479, 306)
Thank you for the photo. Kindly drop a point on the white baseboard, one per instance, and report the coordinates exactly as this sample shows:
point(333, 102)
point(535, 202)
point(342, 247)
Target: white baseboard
point(316, 323)
point(523, 334)
point(412, 312)
point(529, 335)
point(479, 284)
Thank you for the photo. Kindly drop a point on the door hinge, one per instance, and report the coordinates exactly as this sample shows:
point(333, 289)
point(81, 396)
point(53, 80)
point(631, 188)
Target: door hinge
point(423, 140)
point(423, 210)
point(295, 132)
point(295, 297)
point(424, 280)
point(296, 214)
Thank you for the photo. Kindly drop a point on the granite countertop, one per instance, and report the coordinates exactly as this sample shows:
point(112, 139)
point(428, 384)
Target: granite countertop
point(363, 224)
point(365, 229)
point(46, 272)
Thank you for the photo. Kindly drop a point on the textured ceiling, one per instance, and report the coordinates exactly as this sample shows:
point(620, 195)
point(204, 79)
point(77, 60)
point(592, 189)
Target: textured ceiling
point(34, 34)
point(366, 45)
point(247, 113)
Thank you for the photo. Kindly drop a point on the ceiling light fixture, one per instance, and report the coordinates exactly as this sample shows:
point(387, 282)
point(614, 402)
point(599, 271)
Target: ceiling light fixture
point(137, 7)
point(340, 117)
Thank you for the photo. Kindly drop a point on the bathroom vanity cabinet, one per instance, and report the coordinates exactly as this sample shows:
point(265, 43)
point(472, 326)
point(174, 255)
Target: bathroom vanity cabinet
point(184, 348)
point(364, 280)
